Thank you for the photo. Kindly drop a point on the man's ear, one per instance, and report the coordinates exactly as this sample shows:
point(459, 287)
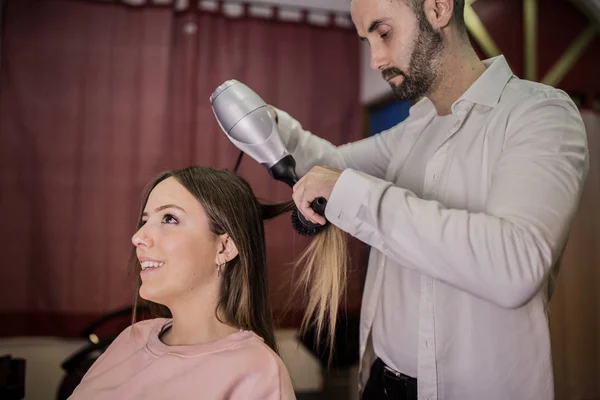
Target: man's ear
point(227, 250)
point(439, 12)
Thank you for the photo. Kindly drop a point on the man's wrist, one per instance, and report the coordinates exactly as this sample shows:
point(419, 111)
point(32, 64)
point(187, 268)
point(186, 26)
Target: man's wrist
point(345, 200)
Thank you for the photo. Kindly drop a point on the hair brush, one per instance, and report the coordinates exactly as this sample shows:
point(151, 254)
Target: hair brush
point(304, 226)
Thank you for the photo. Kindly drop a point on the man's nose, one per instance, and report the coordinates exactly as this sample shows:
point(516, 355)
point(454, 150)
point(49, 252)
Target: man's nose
point(378, 59)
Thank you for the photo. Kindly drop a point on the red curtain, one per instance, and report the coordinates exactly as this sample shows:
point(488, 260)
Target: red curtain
point(96, 99)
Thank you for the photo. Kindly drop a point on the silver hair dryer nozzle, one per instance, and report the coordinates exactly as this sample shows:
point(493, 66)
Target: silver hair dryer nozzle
point(248, 122)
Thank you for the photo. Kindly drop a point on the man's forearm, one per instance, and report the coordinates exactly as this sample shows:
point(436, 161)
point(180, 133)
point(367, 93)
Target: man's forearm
point(371, 155)
point(307, 149)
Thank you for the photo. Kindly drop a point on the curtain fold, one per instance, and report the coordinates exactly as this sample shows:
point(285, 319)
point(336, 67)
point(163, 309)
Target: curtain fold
point(96, 99)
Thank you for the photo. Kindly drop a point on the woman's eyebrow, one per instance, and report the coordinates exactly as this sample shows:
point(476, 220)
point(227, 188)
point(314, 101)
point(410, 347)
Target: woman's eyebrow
point(145, 214)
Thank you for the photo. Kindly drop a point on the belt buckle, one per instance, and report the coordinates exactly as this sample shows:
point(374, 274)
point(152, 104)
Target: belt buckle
point(402, 379)
point(392, 371)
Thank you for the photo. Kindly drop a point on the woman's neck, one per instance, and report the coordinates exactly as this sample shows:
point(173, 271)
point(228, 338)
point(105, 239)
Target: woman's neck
point(195, 326)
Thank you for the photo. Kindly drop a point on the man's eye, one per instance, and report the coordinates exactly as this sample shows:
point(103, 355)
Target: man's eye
point(384, 35)
point(169, 219)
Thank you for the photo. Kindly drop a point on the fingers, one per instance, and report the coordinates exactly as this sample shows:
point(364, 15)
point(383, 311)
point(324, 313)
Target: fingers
point(330, 169)
point(302, 204)
point(303, 199)
point(310, 214)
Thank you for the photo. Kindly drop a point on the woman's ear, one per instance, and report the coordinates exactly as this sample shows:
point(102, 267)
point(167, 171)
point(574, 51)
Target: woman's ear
point(227, 250)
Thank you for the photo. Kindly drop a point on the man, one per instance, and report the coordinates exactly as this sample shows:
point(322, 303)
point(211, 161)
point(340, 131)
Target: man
point(467, 205)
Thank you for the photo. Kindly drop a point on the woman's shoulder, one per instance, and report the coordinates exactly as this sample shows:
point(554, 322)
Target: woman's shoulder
point(247, 350)
point(131, 340)
point(147, 327)
point(255, 345)
point(140, 331)
point(267, 367)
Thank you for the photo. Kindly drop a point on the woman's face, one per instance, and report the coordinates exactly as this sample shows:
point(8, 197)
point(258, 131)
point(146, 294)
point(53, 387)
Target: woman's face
point(176, 249)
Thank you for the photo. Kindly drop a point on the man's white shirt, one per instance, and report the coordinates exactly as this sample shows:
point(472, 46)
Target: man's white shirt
point(466, 216)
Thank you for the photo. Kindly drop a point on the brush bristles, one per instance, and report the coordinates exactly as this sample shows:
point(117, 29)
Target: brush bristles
point(303, 229)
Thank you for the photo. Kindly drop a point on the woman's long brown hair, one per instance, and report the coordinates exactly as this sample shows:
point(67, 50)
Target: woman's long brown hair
point(232, 208)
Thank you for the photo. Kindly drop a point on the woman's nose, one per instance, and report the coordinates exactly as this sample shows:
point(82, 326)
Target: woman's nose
point(141, 239)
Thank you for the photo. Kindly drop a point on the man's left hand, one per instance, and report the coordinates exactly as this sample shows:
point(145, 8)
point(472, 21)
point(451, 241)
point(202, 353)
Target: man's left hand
point(318, 182)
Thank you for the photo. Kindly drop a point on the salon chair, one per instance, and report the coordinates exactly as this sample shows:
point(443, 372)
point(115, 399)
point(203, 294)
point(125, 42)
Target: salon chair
point(99, 335)
point(12, 378)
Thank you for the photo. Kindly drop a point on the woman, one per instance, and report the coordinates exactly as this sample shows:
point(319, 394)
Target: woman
point(201, 264)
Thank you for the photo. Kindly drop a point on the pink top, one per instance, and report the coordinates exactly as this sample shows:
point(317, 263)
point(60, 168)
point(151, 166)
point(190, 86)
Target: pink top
point(137, 365)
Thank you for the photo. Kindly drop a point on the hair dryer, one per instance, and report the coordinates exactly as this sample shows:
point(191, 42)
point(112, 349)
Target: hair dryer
point(250, 125)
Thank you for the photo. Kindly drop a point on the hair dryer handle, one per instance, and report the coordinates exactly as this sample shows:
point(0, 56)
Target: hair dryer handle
point(285, 170)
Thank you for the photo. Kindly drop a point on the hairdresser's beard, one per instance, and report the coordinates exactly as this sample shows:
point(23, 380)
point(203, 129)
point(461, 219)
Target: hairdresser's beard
point(423, 67)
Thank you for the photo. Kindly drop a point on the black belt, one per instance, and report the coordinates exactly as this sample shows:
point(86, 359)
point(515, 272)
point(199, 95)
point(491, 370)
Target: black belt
point(396, 385)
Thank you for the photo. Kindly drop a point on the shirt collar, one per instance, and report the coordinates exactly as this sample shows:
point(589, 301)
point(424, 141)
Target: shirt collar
point(486, 90)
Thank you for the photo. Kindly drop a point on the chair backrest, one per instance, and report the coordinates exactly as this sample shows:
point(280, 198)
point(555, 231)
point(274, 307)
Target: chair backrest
point(80, 362)
point(12, 378)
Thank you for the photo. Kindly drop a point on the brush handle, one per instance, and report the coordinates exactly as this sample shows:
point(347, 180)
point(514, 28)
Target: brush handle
point(318, 205)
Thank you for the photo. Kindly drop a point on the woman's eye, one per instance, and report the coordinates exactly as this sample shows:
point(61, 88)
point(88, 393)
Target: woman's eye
point(384, 35)
point(143, 222)
point(169, 219)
